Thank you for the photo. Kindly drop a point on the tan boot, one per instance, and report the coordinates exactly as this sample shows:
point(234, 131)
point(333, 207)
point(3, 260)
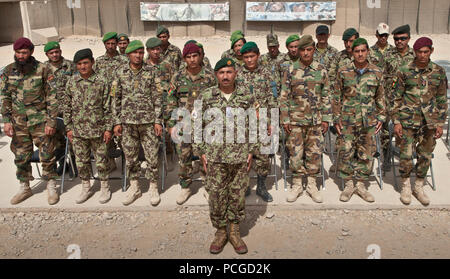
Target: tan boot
point(236, 240)
point(133, 193)
point(206, 195)
point(23, 194)
point(220, 239)
point(86, 191)
point(52, 191)
point(348, 191)
point(419, 193)
point(154, 194)
point(405, 194)
point(184, 195)
point(105, 193)
point(363, 193)
point(311, 189)
point(296, 191)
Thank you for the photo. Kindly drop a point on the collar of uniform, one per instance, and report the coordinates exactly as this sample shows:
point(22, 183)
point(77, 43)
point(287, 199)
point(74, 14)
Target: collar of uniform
point(186, 74)
point(414, 67)
point(91, 78)
point(258, 68)
point(114, 57)
point(302, 66)
point(128, 68)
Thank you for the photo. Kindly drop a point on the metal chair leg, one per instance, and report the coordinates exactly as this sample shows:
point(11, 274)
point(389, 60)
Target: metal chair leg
point(64, 165)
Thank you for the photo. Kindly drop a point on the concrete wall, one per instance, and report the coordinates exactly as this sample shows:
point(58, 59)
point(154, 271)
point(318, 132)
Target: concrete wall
point(10, 21)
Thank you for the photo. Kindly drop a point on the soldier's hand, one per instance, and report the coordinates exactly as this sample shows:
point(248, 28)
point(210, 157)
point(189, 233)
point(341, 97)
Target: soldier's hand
point(70, 135)
point(287, 128)
point(107, 136)
point(338, 127)
point(398, 130)
point(324, 127)
point(9, 130)
point(204, 163)
point(269, 130)
point(378, 127)
point(249, 162)
point(439, 132)
point(49, 131)
point(158, 130)
point(118, 130)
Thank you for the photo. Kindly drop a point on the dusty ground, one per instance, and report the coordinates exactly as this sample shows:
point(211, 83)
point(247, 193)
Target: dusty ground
point(187, 233)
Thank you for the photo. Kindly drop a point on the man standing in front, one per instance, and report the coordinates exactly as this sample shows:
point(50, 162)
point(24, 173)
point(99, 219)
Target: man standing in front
point(272, 61)
point(381, 47)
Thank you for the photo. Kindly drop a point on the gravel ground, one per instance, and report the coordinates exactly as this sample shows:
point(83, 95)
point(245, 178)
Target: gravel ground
point(187, 233)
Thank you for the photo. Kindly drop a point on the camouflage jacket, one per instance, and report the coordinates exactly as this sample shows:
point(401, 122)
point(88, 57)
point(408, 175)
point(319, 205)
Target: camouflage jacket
point(327, 57)
point(377, 56)
point(88, 111)
point(107, 66)
point(205, 63)
point(28, 100)
point(392, 62)
point(230, 54)
point(62, 74)
point(137, 96)
point(218, 149)
point(342, 59)
point(420, 96)
point(172, 55)
point(274, 66)
point(163, 76)
point(184, 90)
point(305, 97)
point(358, 99)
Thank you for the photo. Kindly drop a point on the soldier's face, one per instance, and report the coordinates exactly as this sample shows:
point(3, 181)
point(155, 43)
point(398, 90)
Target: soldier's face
point(348, 44)
point(123, 46)
point(136, 57)
point(154, 53)
point(85, 66)
point(382, 39)
point(111, 45)
point(23, 55)
point(164, 37)
point(273, 50)
point(307, 54)
point(226, 76)
point(423, 54)
point(401, 41)
point(54, 55)
point(360, 53)
point(322, 38)
point(193, 60)
point(237, 47)
point(251, 60)
point(293, 49)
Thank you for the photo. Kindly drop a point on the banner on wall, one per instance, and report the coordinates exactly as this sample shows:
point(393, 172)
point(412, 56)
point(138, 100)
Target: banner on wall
point(291, 11)
point(185, 12)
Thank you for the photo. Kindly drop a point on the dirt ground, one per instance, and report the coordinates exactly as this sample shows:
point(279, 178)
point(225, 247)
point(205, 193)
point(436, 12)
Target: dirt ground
point(186, 233)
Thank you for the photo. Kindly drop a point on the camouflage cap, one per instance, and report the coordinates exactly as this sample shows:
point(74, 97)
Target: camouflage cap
point(306, 41)
point(109, 36)
point(292, 38)
point(161, 29)
point(348, 33)
point(272, 40)
point(134, 45)
point(83, 54)
point(153, 42)
point(50, 45)
point(123, 37)
point(224, 62)
point(404, 29)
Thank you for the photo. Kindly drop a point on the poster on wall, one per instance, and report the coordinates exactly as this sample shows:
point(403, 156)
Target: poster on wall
point(185, 12)
point(291, 11)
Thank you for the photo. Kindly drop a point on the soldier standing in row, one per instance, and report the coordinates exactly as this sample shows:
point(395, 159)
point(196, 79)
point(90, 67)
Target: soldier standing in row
point(305, 114)
point(122, 42)
point(138, 118)
point(169, 52)
point(379, 50)
point(205, 60)
point(419, 113)
point(29, 110)
point(272, 61)
point(359, 112)
point(237, 41)
point(324, 53)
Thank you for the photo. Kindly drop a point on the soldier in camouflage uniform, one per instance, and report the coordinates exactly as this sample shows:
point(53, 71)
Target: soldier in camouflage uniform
point(237, 41)
point(305, 114)
point(137, 110)
point(419, 113)
point(205, 60)
point(256, 80)
point(324, 53)
point(169, 52)
point(88, 121)
point(381, 47)
point(185, 88)
point(29, 110)
point(226, 163)
point(122, 42)
point(359, 112)
point(272, 61)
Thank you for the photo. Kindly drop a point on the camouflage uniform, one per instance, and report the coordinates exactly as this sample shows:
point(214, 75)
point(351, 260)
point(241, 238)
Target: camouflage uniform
point(164, 73)
point(274, 66)
point(230, 54)
point(173, 56)
point(327, 57)
point(227, 178)
point(359, 103)
point(107, 66)
point(378, 56)
point(137, 107)
point(88, 114)
point(305, 104)
point(342, 59)
point(184, 91)
point(420, 105)
point(29, 103)
point(62, 73)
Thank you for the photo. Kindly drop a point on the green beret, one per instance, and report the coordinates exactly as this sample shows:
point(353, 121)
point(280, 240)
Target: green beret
point(199, 45)
point(153, 42)
point(348, 33)
point(248, 47)
point(134, 45)
point(224, 62)
point(292, 38)
point(161, 29)
point(50, 45)
point(82, 54)
point(109, 36)
point(190, 41)
point(404, 29)
point(236, 36)
point(122, 37)
point(358, 42)
point(306, 41)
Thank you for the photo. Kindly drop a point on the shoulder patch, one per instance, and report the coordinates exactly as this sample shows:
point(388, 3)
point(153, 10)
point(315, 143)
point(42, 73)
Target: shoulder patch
point(50, 77)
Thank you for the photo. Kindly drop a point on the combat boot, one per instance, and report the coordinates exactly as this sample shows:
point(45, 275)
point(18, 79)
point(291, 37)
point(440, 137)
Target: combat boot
point(311, 189)
point(134, 192)
point(220, 239)
point(261, 189)
point(348, 191)
point(154, 194)
point(184, 195)
point(86, 191)
point(405, 194)
point(105, 193)
point(363, 193)
point(236, 240)
point(23, 194)
point(296, 191)
point(419, 193)
point(53, 196)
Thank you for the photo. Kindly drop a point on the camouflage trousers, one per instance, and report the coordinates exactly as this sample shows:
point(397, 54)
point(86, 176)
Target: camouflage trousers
point(22, 147)
point(261, 164)
point(226, 185)
point(82, 148)
point(305, 144)
point(420, 141)
point(133, 137)
point(186, 171)
point(384, 134)
point(356, 152)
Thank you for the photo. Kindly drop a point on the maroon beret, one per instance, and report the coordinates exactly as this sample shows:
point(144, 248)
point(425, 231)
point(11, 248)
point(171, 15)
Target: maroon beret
point(23, 43)
point(190, 48)
point(423, 42)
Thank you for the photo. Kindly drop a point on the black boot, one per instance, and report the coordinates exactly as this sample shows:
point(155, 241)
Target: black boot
point(261, 189)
